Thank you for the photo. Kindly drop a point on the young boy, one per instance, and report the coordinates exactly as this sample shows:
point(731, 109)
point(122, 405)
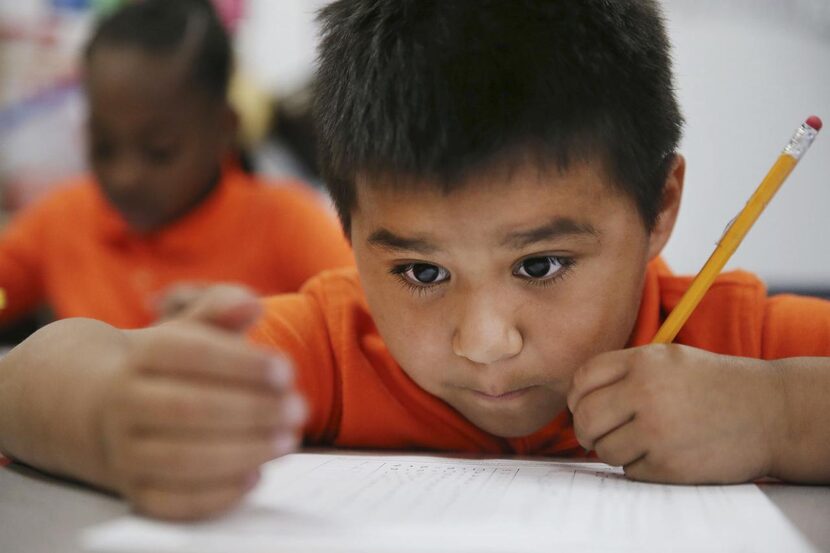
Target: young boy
point(507, 174)
point(165, 204)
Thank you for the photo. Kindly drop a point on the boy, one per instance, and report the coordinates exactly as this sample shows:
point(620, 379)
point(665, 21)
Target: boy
point(507, 174)
point(165, 204)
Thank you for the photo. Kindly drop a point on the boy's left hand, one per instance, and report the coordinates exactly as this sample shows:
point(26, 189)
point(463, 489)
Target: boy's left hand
point(677, 414)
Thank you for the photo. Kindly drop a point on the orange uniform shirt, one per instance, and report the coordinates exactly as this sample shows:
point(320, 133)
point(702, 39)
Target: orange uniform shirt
point(360, 398)
point(73, 251)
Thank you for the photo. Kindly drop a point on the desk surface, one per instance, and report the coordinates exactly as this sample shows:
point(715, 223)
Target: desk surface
point(41, 514)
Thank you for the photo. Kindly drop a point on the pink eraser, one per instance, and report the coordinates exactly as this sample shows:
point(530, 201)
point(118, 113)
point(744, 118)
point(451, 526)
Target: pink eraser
point(814, 121)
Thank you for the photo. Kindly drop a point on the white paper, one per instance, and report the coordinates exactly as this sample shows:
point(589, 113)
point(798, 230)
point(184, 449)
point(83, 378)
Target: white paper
point(368, 503)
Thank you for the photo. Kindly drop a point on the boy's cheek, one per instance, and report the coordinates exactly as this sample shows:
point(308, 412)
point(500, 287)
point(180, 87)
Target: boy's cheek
point(565, 348)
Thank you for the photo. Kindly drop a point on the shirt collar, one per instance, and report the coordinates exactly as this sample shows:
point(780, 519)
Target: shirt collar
point(178, 236)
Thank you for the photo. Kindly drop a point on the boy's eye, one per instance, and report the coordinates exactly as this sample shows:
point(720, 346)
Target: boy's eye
point(422, 273)
point(539, 267)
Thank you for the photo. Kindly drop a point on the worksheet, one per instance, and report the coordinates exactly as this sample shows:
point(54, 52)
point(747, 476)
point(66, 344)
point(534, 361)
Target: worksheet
point(391, 503)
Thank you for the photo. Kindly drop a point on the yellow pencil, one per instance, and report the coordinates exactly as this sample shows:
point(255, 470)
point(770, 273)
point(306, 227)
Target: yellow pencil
point(732, 238)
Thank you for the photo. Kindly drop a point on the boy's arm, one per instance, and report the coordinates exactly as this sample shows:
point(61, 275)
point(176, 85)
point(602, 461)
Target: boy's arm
point(802, 453)
point(140, 412)
point(50, 388)
point(683, 415)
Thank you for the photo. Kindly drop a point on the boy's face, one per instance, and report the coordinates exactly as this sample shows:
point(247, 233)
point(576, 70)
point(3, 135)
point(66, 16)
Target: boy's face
point(155, 144)
point(492, 296)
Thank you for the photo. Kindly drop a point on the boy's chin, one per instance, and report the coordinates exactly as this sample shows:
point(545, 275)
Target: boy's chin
point(513, 425)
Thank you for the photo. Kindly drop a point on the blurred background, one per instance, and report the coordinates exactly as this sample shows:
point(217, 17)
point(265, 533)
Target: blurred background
point(748, 72)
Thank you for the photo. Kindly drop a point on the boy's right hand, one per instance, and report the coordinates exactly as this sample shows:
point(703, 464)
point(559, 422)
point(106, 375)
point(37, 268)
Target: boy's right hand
point(196, 410)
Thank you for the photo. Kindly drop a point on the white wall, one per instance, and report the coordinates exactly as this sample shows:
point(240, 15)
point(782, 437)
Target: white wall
point(748, 72)
point(277, 42)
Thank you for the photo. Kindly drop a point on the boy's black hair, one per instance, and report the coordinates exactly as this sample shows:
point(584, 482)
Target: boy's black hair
point(434, 89)
point(190, 27)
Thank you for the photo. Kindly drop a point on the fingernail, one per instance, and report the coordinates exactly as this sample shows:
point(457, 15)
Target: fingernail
point(294, 409)
point(284, 443)
point(280, 373)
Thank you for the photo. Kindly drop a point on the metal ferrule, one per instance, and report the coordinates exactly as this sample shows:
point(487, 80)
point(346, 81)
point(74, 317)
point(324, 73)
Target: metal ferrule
point(801, 141)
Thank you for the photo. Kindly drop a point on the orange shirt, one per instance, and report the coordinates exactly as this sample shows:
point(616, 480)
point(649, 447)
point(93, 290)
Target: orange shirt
point(360, 398)
point(73, 251)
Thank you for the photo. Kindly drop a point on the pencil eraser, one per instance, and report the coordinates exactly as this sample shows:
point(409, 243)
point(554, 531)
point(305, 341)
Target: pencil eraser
point(814, 121)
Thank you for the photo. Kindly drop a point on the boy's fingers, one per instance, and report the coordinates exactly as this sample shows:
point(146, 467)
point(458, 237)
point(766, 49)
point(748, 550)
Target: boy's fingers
point(601, 411)
point(179, 407)
point(175, 462)
point(602, 370)
point(175, 299)
point(192, 351)
point(227, 306)
point(648, 469)
point(622, 446)
point(184, 504)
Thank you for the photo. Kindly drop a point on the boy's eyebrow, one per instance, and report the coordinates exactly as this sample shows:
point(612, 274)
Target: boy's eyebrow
point(560, 226)
point(388, 240)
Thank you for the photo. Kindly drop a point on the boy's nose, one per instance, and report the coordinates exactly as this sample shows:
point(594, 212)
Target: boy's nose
point(486, 337)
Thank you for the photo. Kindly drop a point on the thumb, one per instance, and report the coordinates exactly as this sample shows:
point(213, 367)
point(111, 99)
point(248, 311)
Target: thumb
point(227, 306)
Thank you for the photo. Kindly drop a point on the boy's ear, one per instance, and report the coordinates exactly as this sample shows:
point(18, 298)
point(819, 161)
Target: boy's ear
point(669, 207)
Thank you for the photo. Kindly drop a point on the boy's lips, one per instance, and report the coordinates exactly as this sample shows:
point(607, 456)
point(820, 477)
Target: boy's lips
point(499, 395)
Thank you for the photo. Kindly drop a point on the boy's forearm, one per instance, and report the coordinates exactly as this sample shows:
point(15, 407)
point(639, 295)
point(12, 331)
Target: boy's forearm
point(51, 386)
point(802, 454)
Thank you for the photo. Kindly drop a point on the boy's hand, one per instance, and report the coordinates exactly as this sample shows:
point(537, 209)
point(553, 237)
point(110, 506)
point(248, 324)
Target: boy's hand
point(678, 414)
point(231, 306)
point(195, 411)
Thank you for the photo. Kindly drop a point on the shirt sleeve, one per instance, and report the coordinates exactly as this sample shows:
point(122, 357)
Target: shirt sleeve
point(796, 326)
point(294, 326)
point(22, 247)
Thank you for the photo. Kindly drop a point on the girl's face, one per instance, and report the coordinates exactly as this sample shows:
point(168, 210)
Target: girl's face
point(156, 143)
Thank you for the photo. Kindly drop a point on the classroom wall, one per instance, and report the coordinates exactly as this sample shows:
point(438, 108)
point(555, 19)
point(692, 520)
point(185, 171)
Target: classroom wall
point(748, 72)
point(277, 42)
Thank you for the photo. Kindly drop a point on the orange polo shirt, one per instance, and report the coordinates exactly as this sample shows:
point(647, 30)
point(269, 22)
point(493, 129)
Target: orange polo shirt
point(360, 398)
point(73, 251)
